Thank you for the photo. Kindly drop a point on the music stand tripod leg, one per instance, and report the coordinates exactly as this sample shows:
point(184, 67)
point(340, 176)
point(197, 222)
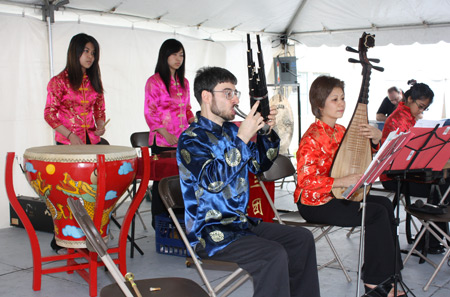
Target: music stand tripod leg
point(361, 240)
point(395, 279)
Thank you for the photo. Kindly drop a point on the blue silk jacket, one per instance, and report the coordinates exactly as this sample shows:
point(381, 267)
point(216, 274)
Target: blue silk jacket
point(214, 164)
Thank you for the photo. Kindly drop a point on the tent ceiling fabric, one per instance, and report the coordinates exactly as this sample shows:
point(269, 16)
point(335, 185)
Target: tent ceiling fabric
point(312, 22)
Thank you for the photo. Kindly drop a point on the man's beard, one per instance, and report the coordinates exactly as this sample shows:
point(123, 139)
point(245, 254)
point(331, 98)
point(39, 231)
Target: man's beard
point(215, 110)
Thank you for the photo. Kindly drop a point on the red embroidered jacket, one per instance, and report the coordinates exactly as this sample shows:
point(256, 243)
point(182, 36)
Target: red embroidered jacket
point(402, 119)
point(315, 156)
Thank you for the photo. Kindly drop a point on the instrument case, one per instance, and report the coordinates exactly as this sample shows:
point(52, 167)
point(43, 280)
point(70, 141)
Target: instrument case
point(36, 211)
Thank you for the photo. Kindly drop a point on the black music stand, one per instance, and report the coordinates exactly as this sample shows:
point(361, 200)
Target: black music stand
point(424, 152)
point(385, 156)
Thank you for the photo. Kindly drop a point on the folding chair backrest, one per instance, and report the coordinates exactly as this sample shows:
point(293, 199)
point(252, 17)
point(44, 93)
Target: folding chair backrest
point(170, 192)
point(282, 167)
point(139, 139)
point(95, 243)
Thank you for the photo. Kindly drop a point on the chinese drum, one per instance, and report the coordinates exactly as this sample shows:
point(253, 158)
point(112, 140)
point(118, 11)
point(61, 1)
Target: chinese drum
point(61, 171)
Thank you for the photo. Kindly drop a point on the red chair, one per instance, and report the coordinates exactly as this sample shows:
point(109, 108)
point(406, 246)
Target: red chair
point(81, 260)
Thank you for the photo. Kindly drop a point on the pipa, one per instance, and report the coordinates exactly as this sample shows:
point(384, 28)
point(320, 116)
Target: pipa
point(354, 153)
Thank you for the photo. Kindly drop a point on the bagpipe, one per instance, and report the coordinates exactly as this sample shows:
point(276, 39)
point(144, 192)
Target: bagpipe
point(257, 85)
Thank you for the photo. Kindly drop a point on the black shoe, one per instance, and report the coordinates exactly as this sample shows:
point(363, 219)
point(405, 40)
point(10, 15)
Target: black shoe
point(58, 249)
point(435, 247)
point(378, 291)
point(436, 250)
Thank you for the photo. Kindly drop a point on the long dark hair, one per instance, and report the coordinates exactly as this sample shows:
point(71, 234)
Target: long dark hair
point(73, 66)
point(169, 47)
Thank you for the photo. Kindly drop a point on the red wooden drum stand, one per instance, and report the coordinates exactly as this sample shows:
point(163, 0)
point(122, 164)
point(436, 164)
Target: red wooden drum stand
point(81, 260)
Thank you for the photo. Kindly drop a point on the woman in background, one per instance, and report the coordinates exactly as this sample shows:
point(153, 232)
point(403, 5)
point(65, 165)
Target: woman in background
point(315, 202)
point(75, 106)
point(167, 107)
point(417, 100)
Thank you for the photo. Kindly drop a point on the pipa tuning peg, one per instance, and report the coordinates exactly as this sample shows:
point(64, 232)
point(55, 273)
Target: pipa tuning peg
point(375, 60)
point(351, 60)
point(381, 69)
point(350, 49)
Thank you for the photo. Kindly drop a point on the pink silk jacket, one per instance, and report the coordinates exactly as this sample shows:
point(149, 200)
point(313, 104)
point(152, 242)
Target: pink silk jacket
point(163, 110)
point(78, 110)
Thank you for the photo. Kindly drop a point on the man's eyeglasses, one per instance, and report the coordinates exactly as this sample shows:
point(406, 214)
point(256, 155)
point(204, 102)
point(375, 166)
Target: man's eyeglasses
point(421, 107)
point(229, 93)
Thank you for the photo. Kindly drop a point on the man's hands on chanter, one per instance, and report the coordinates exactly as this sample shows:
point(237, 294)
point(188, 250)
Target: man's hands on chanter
point(254, 121)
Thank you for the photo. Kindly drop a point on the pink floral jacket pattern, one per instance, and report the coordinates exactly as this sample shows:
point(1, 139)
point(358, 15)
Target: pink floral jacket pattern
point(163, 110)
point(77, 110)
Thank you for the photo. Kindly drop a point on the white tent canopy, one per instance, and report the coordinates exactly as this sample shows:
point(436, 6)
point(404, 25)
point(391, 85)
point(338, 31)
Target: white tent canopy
point(312, 22)
point(130, 33)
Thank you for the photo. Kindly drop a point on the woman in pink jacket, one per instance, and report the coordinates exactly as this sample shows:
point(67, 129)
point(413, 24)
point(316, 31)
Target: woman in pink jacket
point(75, 104)
point(167, 106)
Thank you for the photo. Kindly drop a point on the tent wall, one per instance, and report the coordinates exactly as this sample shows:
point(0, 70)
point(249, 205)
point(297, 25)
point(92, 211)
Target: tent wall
point(424, 62)
point(128, 57)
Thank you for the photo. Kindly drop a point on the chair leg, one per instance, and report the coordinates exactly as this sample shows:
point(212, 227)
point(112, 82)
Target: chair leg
point(140, 219)
point(352, 230)
point(325, 231)
point(130, 238)
point(427, 286)
point(427, 227)
point(444, 258)
point(236, 285)
point(413, 249)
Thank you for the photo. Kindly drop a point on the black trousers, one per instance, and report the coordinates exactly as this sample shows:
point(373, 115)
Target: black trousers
point(157, 204)
point(380, 231)
point(281, 260)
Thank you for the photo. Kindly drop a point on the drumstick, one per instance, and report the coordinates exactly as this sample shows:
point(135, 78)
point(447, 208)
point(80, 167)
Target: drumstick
point(130, 277)
point(104, 125)
point(152, 289)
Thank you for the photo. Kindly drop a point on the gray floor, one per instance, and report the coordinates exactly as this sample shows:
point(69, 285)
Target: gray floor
point(16, 264)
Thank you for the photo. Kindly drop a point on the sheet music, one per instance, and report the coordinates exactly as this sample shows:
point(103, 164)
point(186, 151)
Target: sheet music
point(384, 157)
point(429, 123)
point(393, 135)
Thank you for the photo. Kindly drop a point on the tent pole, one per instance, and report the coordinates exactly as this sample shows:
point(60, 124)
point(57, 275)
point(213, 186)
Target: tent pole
point(290, 27)
point(50, 45)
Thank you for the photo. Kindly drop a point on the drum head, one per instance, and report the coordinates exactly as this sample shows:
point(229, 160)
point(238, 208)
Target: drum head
point(285, 121)
point(79, 153)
